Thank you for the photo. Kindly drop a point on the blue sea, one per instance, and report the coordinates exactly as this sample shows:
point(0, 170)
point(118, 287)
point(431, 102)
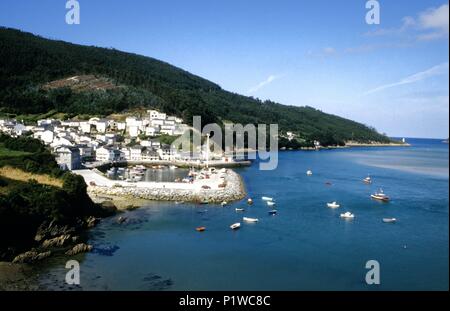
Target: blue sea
point(307, 246)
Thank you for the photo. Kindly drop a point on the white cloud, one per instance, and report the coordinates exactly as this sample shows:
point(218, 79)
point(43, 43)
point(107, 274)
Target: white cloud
point(264, 83)
point(436, 20)
point(431, 24)
point(423, 75)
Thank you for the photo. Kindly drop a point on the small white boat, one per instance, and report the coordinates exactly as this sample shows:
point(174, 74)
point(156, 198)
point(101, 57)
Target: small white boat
point(309, 173)
point(224, 203)
point(273, 212)
point(271, 203)
point(380, 196)
point(172, 167)
point(235, 226)
point(389, 220)
point(348, 215)
point(333, 205)
point(240, 210)
point(267, 199)
point(247, 219)
point(249, 201)
point(367, 180)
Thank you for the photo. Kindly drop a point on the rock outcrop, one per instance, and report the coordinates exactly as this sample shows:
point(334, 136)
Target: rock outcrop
point(79, 248)
point(31, 256)
point(60, 241)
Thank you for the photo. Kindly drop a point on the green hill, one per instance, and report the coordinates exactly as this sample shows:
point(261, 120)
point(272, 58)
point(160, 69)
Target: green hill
point(30, 65)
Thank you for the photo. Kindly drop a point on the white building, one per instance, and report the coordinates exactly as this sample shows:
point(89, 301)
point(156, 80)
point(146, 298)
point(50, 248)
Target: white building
point(136, 153)
point(68, 158)
point(151, 131)
point(85, 127)
point(104, 154)
point(150, 155)
point(45, 136)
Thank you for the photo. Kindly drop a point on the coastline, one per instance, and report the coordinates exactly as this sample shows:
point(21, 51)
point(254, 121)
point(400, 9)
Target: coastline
point(353, 144)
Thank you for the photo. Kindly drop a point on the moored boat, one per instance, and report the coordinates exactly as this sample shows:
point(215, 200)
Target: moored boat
point(273, 212)
point(271, 203)
point(389, 220)
point(348, 215)
point(309, 173)
point(240, 210)
point(200, 229)
point(367, 180)
point(267, 199)
point(380, 196)
point(248, 219)
point(235, 226)
point(249, 201)
point(333, 205)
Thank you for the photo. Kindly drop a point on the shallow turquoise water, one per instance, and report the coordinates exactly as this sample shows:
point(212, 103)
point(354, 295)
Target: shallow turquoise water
point(306, 246)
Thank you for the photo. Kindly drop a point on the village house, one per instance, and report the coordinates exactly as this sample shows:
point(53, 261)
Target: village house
point(68, 158)
point(105, 154)
point(136, 153)
point(150, 155)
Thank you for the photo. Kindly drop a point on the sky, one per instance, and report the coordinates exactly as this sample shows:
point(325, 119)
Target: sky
point(393, 76)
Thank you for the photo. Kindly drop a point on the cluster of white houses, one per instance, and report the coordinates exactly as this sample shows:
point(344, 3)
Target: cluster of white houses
point(103, 140)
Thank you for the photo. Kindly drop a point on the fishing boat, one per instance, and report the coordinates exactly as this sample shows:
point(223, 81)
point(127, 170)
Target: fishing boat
point(271, 203)
point(248, 219)
point(267, 199)
point(240, 210)
point(333, 205)
point(380, 196)
point(273, 212)
point(235, 226)
point(249, 201)
point(309, 173)
point(367, 180)
point(389, 220)
point(348, 215)
point(200, 229)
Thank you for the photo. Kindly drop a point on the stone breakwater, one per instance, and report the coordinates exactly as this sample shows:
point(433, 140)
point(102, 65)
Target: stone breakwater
point(228, 187)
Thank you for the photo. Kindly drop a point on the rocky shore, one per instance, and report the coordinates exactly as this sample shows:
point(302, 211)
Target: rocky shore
point(230, 188)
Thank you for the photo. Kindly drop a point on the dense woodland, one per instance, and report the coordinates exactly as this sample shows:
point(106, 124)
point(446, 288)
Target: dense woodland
point(27, 62)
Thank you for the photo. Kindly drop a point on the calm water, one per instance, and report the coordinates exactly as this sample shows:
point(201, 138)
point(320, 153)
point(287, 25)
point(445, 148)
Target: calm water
point(306, 246)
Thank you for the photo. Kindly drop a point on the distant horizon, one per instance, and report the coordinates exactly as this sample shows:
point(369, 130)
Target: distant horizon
point(392, 76)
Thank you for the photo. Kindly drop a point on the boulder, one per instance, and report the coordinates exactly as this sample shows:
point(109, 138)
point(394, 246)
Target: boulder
point(49, 230)
point(60, 241)
point(79, 248)
point(31, 256)
point(91, 222)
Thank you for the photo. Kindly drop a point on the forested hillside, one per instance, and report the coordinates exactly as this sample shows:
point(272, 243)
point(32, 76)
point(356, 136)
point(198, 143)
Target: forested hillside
point(28, 63)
